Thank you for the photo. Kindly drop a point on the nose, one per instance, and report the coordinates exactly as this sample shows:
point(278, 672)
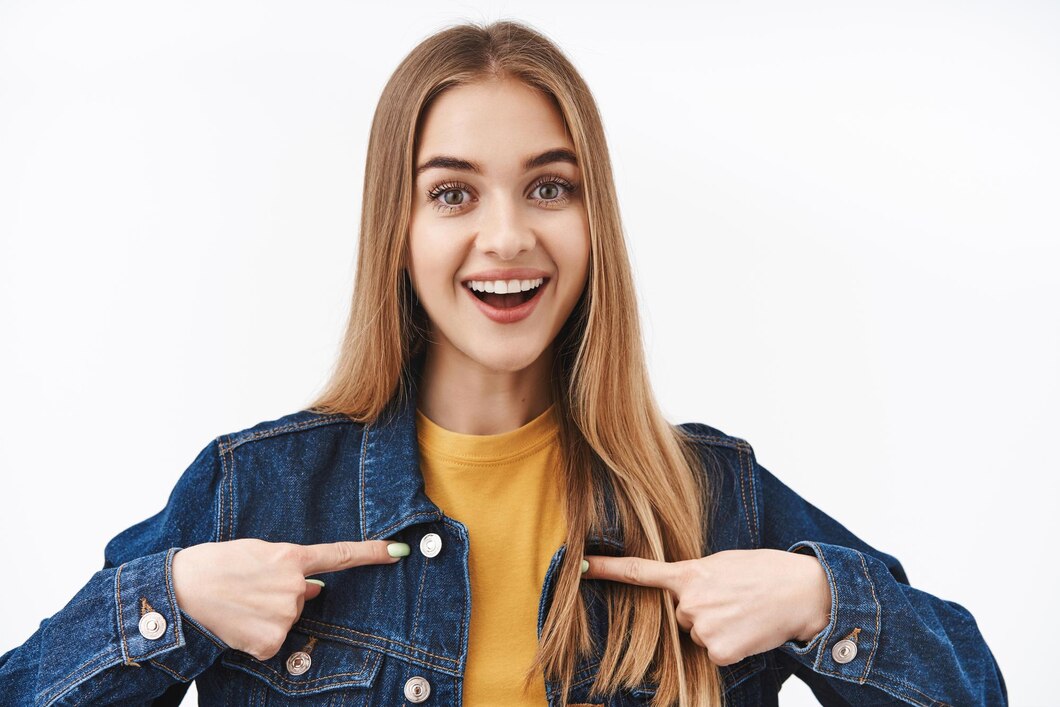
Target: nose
point(505, 230)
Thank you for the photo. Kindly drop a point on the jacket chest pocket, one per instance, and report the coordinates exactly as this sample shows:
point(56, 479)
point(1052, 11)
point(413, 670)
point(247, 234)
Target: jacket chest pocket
point(308, 670)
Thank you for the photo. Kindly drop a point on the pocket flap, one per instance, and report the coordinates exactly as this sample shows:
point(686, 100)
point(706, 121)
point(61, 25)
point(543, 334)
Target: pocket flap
point(307, 664)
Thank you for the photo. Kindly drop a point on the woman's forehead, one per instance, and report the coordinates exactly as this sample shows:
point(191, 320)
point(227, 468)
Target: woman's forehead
point(497, 123)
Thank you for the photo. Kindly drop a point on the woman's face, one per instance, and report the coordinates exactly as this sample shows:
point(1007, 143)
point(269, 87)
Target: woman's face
point(499, 238)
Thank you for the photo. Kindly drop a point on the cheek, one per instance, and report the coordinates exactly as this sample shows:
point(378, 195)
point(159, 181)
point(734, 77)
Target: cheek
point(432, 258)
point(571, 251)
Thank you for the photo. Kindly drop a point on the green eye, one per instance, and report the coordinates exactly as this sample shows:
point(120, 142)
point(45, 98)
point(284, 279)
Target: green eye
point(552, 190)
point(549, 191)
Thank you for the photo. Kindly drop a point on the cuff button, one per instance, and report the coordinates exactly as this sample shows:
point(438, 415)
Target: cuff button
point(152, 625)
point(844, 651)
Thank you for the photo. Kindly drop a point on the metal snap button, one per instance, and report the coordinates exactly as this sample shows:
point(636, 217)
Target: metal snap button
point(298, 662)
point(417, 689)
point(844, 651)
point(431, 544)
point(152, 625)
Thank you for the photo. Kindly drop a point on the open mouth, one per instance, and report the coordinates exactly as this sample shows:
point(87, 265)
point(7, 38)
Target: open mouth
point(505, 294)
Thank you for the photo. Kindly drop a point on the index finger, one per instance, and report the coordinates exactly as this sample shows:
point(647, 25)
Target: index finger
point(633, 570)
point(331, 557)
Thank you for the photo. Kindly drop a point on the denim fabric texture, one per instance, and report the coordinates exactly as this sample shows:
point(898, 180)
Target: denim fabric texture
point(311, 478)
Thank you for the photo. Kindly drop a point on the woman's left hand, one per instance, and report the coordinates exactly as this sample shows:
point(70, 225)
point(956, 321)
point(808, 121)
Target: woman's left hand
point(734, 603)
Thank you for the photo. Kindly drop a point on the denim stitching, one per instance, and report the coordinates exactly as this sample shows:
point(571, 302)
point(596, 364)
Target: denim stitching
point(166, 668)
point(289, 427)
point(221, 491)
point(305, 621)
point(864, 680)
point(833, 616)
point(891, 690)
point(419, 597)
point(231, 494)
point(171, 593)
point(205, 635)
point(390, 529)
point(364, 453)
point(900, 694)
point(876, 638)
point(903, 683)
point(121, 620)
point(307, 684)
point(743, 497)
point(465, 623)
point(754, 495)
point(72, 678)
point(714, 440)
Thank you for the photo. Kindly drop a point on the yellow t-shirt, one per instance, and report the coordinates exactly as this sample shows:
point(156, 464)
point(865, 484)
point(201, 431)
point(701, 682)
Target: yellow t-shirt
point(505, 489)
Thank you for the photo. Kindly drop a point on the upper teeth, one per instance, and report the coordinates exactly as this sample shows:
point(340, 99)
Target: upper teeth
point(504, 287)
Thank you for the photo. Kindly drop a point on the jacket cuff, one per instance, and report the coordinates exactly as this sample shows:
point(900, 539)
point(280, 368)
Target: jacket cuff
point(846, 646)
point(151, 623)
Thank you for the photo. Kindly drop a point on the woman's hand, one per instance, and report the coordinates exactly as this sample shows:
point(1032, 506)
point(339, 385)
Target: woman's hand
point(734, 603)
point(250, 592)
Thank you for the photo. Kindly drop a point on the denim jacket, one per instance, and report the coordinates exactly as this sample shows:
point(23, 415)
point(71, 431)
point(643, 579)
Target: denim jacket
point(397, 634)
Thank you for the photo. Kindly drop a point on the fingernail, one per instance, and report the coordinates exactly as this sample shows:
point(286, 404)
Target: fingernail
point(316, 582)
point(585, 566)
point(398, 549)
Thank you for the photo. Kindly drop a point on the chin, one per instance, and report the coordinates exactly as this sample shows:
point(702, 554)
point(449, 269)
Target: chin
point(505, 361)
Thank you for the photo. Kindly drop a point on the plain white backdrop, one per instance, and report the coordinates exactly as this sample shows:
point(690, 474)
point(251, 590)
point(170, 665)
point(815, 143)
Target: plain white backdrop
point(842, 217)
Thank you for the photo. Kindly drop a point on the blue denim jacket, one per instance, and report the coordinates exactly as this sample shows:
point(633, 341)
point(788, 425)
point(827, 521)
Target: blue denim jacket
point(390, 634)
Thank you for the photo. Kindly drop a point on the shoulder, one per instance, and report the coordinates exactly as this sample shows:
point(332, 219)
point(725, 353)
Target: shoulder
point(733, 484)
point(703, 435)
point(303, 425)
point(720, 452)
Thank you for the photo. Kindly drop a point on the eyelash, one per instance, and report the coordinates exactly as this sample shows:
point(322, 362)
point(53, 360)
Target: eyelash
point(438, 190)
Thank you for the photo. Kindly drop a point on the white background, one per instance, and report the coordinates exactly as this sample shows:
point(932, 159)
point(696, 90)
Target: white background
point(842, 216)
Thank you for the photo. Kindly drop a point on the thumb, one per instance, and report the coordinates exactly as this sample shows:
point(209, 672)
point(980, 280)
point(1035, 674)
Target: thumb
point(313, 588)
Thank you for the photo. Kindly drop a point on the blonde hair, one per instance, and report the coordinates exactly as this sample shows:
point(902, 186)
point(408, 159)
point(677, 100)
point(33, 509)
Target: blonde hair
point(612, 431)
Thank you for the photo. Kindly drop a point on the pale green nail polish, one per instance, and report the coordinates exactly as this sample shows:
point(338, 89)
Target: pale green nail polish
point(398, 549)
point(585, 566)
point(316, 582)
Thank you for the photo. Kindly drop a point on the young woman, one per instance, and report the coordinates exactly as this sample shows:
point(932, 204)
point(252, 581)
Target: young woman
point(485, 505)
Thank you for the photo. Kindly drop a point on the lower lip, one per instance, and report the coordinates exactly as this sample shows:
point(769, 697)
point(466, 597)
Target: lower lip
point(511, 314)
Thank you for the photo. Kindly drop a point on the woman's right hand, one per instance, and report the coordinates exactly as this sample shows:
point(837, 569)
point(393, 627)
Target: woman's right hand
point(250, 592)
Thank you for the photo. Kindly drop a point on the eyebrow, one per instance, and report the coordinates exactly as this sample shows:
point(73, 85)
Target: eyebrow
point(559, 154)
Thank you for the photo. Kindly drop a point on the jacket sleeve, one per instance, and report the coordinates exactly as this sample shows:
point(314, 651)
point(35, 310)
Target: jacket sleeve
point(93, 650)
point(885, 640)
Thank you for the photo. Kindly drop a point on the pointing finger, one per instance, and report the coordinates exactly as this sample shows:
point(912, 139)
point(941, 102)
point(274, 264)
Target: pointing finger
point(633, 570)
point(331, 557)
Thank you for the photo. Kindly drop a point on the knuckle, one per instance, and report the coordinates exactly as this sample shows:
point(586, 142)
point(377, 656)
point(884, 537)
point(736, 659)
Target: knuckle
point(345, 553)
point(721, 654)
point(290, 553)
point(275, 641)
point(631, 570)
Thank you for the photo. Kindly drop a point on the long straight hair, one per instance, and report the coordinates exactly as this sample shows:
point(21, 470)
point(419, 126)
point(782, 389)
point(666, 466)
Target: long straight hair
point(612, 431)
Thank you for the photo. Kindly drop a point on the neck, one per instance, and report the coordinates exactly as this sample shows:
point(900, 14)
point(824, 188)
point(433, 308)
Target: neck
point(462, 396)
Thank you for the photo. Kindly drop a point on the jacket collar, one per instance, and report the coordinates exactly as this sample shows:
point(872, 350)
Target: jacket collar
point(392, 493)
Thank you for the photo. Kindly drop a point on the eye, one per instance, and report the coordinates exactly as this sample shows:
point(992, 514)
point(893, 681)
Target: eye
point(453, 196)
point(552, 190)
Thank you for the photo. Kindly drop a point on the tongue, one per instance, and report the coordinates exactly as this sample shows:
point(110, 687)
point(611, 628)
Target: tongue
point(504, 301)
